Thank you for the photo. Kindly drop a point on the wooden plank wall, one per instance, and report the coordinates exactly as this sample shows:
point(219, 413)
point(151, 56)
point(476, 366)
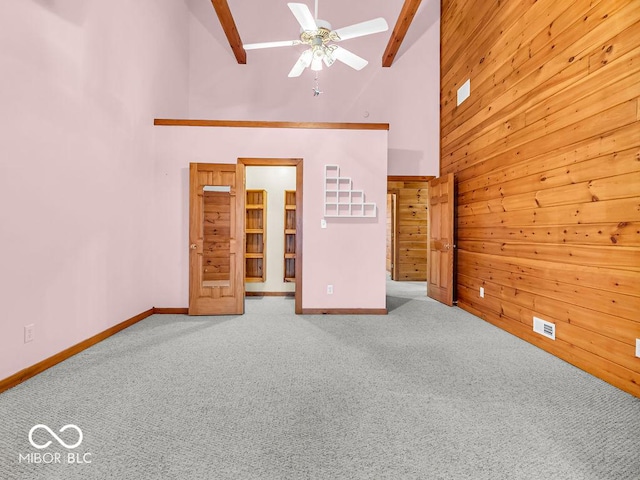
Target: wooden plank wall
point(411, 221)
point(546, 154)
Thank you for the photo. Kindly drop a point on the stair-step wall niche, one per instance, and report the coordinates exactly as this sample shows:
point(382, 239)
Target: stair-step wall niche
point(341, 199)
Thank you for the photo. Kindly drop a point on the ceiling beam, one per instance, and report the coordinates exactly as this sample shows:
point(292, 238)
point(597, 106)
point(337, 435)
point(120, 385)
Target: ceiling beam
point(405, 18)
point(229, 26)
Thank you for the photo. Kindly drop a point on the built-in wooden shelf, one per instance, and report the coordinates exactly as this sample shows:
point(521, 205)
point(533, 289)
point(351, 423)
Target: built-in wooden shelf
point(256, 236)
point(289, 235)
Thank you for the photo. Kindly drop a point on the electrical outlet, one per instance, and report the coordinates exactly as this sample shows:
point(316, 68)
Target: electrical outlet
point(638, 347)
point(329, 289)
point(323, 223)
point(481, 292)
point(28, 333)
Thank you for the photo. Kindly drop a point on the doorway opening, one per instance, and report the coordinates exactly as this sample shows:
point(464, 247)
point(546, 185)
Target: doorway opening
point(273, 227)
point(407, 234)
point(407, 228)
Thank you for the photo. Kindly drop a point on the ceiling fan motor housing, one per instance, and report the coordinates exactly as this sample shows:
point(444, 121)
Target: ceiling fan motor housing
point(321, 36)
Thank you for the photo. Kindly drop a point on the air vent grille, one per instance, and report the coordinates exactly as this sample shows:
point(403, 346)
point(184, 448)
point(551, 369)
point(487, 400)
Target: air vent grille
point(545, 328)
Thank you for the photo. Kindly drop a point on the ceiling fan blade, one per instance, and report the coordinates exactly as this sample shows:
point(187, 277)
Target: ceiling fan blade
point(351, 59)
point(303, 15)
point(284, 43)
point(303, 62)
point(376, 25)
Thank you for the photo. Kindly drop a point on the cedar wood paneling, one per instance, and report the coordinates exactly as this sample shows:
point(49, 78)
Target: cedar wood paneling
point(546, 155)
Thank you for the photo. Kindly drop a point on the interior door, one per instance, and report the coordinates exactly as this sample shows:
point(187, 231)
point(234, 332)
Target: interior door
point(216, 259)
point(440, 248)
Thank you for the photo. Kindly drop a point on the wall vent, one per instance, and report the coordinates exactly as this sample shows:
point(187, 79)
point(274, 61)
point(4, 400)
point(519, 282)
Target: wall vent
point(545, 328)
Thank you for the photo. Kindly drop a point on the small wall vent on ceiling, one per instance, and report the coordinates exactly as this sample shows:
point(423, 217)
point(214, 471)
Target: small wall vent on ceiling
point(545, 328)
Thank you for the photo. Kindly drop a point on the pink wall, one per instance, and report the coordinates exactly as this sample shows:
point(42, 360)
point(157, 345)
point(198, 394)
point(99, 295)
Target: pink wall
point(407, 95)
point(350, 253)
point(93, 216)
point(81, 83)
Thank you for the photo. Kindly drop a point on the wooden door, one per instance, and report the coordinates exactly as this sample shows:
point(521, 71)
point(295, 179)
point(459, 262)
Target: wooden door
point(440, 247)
point(216, 248)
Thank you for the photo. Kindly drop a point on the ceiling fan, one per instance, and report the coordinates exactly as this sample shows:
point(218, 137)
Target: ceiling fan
point(320, 38)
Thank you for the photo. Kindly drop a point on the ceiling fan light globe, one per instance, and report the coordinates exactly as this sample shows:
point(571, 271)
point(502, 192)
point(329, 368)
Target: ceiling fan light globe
point(316, 64)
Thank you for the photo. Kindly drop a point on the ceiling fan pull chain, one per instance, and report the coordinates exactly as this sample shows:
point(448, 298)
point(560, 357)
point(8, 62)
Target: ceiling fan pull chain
point(316, 88)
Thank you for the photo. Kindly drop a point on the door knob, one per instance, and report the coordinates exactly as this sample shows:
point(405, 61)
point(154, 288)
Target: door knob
point(193, 246)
